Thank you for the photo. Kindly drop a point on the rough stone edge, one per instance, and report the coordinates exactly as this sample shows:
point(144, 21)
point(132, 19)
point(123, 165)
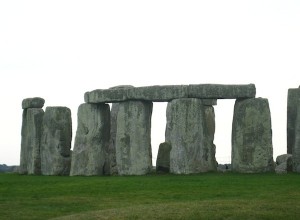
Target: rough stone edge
point(201, 91)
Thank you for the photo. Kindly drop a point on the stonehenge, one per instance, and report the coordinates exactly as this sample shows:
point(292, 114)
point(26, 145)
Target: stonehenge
point(113, 134)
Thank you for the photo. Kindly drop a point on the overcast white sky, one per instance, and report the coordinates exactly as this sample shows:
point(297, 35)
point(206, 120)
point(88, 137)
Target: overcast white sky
point(60, 49)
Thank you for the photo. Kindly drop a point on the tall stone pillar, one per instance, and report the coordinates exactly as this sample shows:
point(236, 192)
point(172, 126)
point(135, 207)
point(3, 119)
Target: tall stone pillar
point(56, 141)
point(90, 151)
point(30, 160)
point(133, 138)
point(296, 147)
point(113, 169)
point(252, 149)
point(292, 99)
point(112, 161)
point(191, 139)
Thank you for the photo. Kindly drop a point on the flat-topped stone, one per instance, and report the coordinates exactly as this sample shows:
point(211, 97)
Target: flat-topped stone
point(169, 92)
point(35, 102)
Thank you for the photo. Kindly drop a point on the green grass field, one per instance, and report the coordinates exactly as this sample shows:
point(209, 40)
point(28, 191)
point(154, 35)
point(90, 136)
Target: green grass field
point(204, 196)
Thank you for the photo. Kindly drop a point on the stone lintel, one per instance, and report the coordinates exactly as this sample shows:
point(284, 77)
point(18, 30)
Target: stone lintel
point(35, 102)
point(169, 92)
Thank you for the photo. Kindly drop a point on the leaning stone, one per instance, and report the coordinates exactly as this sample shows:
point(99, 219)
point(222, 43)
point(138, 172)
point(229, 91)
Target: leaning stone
point(187, 132)
point(36, 102)
point(91, 142)
point(30, 161)
point(56, 141)
point(163, 158)
point(292, 99)
point(252, 149)
point(133, 138)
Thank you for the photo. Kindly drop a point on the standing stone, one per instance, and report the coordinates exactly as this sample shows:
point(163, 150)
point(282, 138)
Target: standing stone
point(210, 121)
point(113, 169)
point(56, 141)
point(30, 161)
point(91, 142)
point(133, 138)
point(112, 161)
point(187, 132)
point(292, 99)
point(163, 158)
point(296, 147)
point(252, 149)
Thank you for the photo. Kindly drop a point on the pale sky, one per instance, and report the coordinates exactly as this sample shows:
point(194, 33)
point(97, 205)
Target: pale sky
point(58, 50)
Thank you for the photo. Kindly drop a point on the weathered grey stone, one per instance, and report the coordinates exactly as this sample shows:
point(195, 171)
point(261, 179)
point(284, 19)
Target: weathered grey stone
point(187, 132)
point(36, 102)
point(163, 158)
point(224, 168)
point(296, 147)
point(281, 168)
point(30, 161)
point(112, 161)
point(92, 139)
point(292, 99)
point(148, 93)
point(252, 149)
point(56, 141)
point(113, 169)
point(284, 158)
point(219, 91)
point(210, 122)
point(170, 92)
point(133, 138)
point(209, 102)
point(284, 163)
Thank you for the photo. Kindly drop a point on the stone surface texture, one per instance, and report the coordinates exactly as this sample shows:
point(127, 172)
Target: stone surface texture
point(30, 161)
point(163, 158)
point(112, 161)
point(284, 164)
point(187, 132)
point(170, 92)
point(56, 141)
point(90, 153)
point(292, 100)
point(113, 169)
point(219, 91)
point(252, 149)
point(133, 138)
point(36, 102)
point(296, 146)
